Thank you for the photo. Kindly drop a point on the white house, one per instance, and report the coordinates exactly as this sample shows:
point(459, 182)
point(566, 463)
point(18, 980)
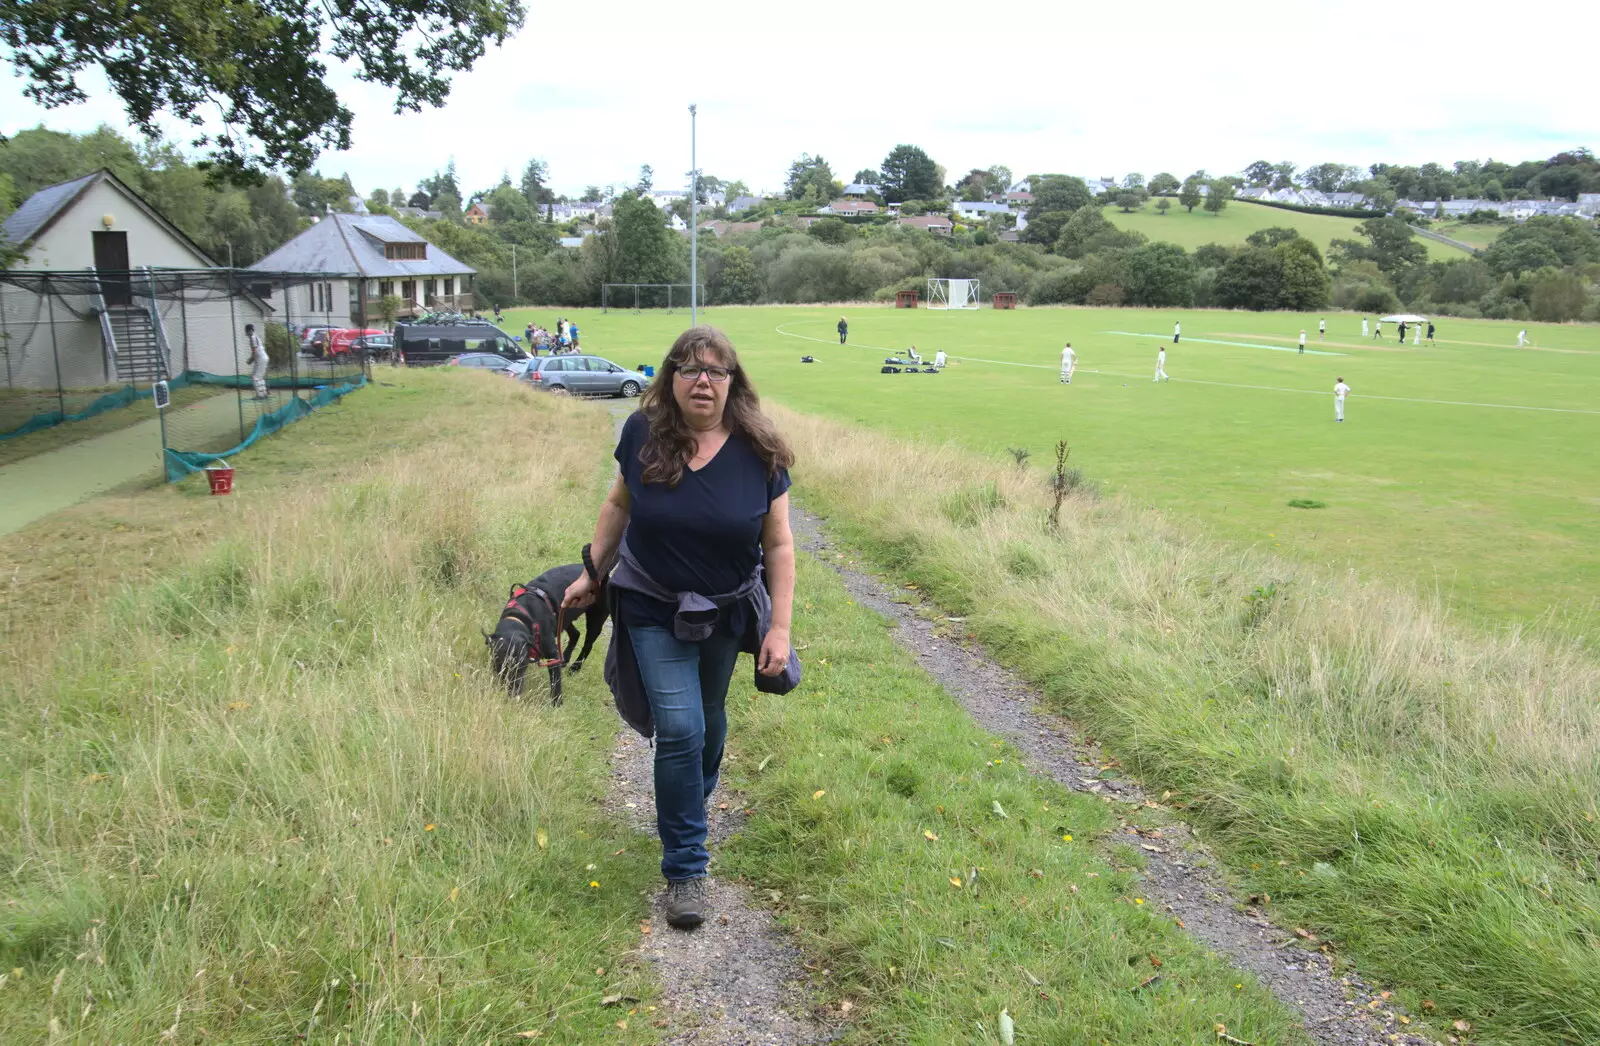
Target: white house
point(978, 211)
point(366, 257)
point(849, 208)
point(116, 263)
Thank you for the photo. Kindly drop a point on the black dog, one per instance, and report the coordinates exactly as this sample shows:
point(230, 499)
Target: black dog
point(529, 623)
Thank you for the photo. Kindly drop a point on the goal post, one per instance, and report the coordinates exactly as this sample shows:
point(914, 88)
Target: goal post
point(952, 294)
point(637, 297)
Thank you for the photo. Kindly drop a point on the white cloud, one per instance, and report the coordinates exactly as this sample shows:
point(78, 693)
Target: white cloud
point(1049, 87)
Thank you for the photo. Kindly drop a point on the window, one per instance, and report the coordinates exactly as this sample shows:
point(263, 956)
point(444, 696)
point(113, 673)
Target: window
point(449, 286)
point(385, 288)
point(408, 289)
point(405, 251)
point(430, 288)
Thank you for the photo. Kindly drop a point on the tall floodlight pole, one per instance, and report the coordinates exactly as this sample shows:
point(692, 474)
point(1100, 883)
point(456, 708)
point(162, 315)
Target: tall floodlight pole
point(694, 229)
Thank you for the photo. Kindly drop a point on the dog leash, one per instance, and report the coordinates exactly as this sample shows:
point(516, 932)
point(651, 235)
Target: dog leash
point(561, 618)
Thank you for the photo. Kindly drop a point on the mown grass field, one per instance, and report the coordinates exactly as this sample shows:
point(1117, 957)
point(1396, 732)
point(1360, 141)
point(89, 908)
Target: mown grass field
point(1239, 219)
point(1463, 468)
point(258, 786)
point(1477, 235)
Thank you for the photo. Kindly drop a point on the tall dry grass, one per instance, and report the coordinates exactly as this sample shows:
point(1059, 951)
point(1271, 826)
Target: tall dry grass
point(1422, 790)
point(275, 793)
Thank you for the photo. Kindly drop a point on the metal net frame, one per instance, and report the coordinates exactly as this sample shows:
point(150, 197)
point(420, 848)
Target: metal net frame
point(79, 344)
point(640, 296)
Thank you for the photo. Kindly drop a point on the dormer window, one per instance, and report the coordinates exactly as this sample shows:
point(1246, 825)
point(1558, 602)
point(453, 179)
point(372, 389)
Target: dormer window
point(405, 251)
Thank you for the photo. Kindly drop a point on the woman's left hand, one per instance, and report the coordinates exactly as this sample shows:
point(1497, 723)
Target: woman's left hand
point(774, 652)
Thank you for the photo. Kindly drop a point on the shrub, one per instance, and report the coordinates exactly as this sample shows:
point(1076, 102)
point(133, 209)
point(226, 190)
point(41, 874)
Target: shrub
point(275, 336)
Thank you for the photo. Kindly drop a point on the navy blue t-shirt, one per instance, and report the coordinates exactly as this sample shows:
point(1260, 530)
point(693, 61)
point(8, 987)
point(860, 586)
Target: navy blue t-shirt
point(704, 535)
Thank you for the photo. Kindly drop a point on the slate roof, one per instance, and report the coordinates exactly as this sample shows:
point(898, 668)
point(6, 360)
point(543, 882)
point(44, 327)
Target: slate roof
point(40, 209)
point(346, 243)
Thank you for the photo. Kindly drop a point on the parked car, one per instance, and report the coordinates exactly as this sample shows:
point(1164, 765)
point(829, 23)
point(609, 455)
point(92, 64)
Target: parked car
point(482, 361)
point(427, 344)
point(584, 376)
point(341, 341)
point(309, 334)
point(374, 346)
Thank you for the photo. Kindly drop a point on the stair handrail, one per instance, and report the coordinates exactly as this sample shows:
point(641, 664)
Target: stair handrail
point(163, 350)
point(108, 338)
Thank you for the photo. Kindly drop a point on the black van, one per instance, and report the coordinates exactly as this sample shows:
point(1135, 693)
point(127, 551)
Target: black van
point(429, 344)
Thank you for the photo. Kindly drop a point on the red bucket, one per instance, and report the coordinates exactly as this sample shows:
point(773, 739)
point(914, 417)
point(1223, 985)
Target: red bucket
point(220, 477)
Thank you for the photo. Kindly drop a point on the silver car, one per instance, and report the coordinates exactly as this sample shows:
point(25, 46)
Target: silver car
point(584, 376)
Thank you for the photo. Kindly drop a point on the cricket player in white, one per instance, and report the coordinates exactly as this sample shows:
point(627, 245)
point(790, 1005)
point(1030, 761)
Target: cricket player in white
point(1363, 326)
point(938, 358)
point(1340, 391)
point(1069, 363)
point(1522, 339)
point(1161, 365)
point(258, 361)
point(1177, 329)
point(1377, 332)
point(1322, 330)
point(1302, 341)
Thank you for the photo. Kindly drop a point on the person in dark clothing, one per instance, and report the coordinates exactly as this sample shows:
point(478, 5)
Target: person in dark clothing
point(700, 505)
point(844, 329)
point(1402, 332)
point(1430, 332)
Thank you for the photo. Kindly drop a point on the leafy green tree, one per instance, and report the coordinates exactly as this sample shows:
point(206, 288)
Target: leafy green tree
point(1088, 232)
point(1570, 241)
point(1218, 193)
point(1163, 205)
point(8, 194)
point(1058, 193)
point(1259, 173)
point(316, 195)
point(865, 176)
point(1000, 178)
point(508, 204)
point(1133, 180)
point(810, 172)
point(1304, 283)
point(1131, 201)
point(1162, 183)
point(1272, 236)
point(259, 62)
point(1390, 244)
point(1189, 196)
point(832, 230)
point(644, 241)
point(1251, 279)
point(909, 174)
point(740, 280)
point(534, 177)
point(448, 204)
point(647, 179)
point(1558, 296)
point(1329, 177)
point(1160, 274)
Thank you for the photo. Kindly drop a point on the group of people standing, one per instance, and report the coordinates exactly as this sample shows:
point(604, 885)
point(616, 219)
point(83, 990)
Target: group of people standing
point(564, 340)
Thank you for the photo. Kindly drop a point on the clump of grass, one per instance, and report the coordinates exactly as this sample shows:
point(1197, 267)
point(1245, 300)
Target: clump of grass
point(969, 506)
point(1020, 454)
point(1420, 792)
point(1306, 503)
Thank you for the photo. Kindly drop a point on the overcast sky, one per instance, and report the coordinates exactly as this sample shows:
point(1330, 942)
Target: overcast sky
point(596, 92)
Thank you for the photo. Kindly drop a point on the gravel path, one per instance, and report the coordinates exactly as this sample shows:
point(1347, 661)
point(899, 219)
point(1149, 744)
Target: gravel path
point(738, 979)
point(1338, 1010)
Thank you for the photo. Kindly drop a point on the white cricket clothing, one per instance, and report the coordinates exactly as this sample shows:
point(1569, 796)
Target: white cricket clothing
point(1322, 327)
point(1161, 365)
point(1363, 328)
point(1522, 339)
point(258, 365)
point(1302, 339)
point(938, 358)
point(1069, 362)
point(1340, 391)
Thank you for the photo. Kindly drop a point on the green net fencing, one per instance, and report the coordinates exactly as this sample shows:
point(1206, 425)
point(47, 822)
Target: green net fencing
point(89, 345)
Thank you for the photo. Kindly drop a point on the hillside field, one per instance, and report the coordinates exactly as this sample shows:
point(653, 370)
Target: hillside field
point(1239, 219)
point(1477, 235)
point(1463, 468)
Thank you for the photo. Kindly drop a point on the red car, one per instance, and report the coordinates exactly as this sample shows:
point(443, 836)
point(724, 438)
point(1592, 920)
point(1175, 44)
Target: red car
point(339, 341)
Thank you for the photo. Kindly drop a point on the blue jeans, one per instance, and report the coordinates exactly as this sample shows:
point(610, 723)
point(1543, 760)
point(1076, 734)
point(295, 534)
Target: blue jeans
point(688, 688)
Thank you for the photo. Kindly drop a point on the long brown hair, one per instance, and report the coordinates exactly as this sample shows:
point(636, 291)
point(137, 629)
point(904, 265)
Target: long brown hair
point(671, 443)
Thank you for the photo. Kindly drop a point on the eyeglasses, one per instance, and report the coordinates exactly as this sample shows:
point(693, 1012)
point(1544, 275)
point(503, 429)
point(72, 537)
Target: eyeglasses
point(693, 372)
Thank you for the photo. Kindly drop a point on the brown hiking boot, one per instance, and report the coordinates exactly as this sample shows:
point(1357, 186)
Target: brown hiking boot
point(688, 902)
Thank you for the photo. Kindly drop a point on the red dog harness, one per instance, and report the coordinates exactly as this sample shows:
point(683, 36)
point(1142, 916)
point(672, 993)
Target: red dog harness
point(514, 609)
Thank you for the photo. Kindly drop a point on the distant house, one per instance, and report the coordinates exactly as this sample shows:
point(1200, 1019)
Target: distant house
point(934, 223)
point(978, 211)
point(1347, 199)
point(849, 208)
point(418, 212)
point(476, 215)
point(109, 240)
point(743, 203)
point(390, 258)
point(1589, 203)
point(861, 190)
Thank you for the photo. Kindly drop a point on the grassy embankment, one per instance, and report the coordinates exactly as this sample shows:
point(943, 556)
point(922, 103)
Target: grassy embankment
point(1239, 219)
point(257, 785)
point(1421, 794)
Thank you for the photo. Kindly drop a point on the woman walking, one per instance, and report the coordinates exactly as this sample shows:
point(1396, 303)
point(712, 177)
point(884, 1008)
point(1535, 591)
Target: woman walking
point(697, 527)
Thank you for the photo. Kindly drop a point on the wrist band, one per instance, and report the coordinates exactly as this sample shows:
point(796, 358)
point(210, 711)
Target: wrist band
point(588, 566)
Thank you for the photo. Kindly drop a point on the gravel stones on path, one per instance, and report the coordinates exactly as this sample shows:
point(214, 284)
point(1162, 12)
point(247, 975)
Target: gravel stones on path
point(1337, 1010)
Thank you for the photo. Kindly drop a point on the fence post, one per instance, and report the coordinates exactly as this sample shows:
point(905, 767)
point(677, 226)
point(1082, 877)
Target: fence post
point(233, 322)
point(55, 349)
